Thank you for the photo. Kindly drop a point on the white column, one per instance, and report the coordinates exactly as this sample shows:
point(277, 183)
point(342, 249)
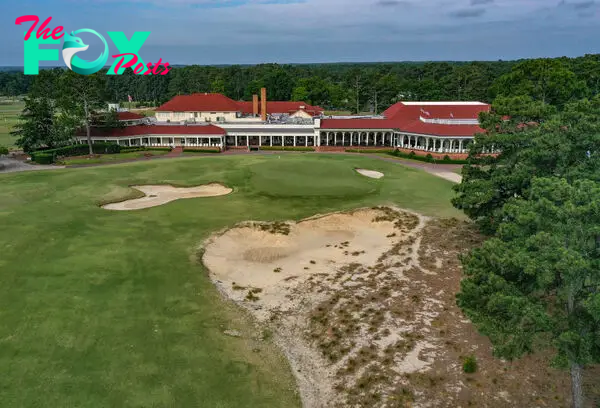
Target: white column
point(235, 140)
point(260, 140)
point(306, 141)
point(282, 140)
point(460, 146)
point(247, 140)
point(294, 141)
point(271, 140)
point(353, 138)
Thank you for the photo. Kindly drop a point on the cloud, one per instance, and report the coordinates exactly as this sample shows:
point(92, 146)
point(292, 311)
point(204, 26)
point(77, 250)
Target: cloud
point(584, 5)
point(393, 3)
point(468, 13)
point(254, 31)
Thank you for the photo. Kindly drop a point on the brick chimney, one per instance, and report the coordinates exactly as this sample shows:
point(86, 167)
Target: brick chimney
point(263, 104)
point(255, 105)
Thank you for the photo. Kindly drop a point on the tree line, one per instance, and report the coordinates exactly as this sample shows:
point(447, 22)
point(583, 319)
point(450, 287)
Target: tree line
point(356, 87)
point(535, 282)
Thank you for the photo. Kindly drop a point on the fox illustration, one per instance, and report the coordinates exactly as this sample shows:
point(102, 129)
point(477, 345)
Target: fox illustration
point(71, 46)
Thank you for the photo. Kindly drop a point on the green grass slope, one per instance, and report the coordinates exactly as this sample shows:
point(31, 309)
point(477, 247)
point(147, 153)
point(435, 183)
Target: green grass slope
point(102, 308)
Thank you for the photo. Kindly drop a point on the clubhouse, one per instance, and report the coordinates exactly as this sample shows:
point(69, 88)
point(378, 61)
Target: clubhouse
point(215, 121)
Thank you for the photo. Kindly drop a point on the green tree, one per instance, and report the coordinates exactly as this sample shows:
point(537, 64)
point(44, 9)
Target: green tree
point(537, 283)
point(546, 80)
point(80, 96)
point(300, 93)
point(108, 119)
point(37, 125)
point(534, 142)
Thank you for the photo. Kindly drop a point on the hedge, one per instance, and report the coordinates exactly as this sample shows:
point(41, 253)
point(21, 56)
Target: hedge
point(429, 158)
point(74, 150)
point(201, 150)
point(288, 148)
point(43, 158)
point(389, 150)
point(144, 149)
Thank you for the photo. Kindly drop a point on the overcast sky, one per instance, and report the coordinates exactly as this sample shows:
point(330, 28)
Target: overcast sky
point(299, 31)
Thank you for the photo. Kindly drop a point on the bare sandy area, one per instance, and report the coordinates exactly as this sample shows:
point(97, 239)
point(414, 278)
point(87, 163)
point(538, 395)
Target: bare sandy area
point(163, 194)
point(448, 175)
point(370, 173)
point(363, 305)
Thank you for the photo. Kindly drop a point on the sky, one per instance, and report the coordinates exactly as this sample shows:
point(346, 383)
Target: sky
point(311, 31)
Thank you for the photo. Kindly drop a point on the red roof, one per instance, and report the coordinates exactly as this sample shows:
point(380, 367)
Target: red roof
point(446, 111)
point(279, 107)
point(152, 130)
point(357, 124)
point(129, 116)
point(207, 102)
point(407, 118)
point(200, 102)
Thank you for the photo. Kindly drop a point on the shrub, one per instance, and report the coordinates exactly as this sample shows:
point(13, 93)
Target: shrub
point(3, 150)
point(288, 148)
point(76, 150)
point(191, 150)
point(44, 158)
point(132, 149)
point(382, 150)
point(447, 158)
point(429, 158)
point(470, 365)
point(412, 154)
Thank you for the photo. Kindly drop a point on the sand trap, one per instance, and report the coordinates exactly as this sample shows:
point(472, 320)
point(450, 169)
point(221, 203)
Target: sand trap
point(280, 272)
point(163, 194)
point(370, 173)
point(363, 306)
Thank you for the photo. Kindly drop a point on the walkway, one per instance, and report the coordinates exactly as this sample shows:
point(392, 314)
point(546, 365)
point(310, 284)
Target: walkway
point(10, 165)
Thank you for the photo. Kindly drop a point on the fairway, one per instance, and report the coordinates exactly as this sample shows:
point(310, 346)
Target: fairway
point(101, 308)
point(9, 111)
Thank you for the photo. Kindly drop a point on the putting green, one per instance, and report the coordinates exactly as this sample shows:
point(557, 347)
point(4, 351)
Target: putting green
point(324, 178)
point(101, 308)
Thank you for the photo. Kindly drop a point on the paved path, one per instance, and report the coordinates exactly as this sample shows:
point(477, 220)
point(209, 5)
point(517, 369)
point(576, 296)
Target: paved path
point(10, 165)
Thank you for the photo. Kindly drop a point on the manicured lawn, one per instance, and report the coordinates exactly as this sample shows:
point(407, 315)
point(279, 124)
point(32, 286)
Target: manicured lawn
point(107, 158)
point(112, 309)
point(9, 111)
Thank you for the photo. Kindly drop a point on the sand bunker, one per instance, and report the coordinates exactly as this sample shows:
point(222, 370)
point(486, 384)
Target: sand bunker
point(163, 194)
point(363, 305)
point(370, 173)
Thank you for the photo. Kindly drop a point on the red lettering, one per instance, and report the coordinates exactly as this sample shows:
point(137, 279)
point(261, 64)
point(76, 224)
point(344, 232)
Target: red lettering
point(140, 66)
point(25, 19)
point(166, 69)
point(128, 64)
point(154, 71)
point(149, 71)
point(43, 30)
point(56, 31)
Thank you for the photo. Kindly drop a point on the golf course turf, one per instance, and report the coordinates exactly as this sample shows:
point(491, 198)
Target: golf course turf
point(101, 308)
